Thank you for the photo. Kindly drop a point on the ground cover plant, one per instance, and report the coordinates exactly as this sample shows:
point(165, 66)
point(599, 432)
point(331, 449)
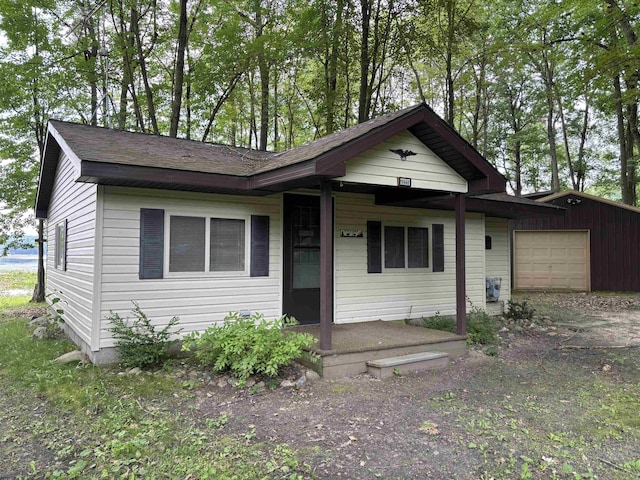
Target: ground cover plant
point(249, 345)
point(539, 410)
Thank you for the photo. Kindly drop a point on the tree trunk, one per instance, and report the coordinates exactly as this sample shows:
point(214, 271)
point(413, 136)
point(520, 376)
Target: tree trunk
point(331, 84)
point(178, 74)
point(143, 70)
point(39, 290)
point(363, 96)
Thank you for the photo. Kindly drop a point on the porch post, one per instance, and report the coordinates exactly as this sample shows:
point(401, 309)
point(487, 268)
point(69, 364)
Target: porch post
point(461, 294)
point(326, 265)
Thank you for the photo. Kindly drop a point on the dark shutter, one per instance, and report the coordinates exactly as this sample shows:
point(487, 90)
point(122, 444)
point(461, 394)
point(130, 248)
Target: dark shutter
point(437, 239)
point(64, 245)
point(151, 243)
point(259, 246)
point(374, 247)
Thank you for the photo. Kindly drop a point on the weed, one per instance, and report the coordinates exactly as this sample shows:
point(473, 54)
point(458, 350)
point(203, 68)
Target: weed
point(518, 311)
point(481, 327)
point(140, 344)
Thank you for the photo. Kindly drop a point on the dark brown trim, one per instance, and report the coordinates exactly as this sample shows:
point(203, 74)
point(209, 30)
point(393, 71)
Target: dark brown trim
point(282, 175)
point(338, 156)
point(461, 294)
point(48, 167)
point(326, 265)
point(99, 172)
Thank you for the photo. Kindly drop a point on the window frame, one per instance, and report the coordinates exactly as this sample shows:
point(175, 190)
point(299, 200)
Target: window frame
point(207, 245)
point(406, 267)
point(60, 250)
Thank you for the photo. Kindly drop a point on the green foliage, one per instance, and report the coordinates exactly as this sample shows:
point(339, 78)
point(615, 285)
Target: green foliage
point(518, 311)
point(246, 346)
point(481, 327)
point(140, 344)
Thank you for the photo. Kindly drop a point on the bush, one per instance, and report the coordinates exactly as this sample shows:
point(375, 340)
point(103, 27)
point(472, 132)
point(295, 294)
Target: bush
point(246, 346)
point(518, 311)
point(139, 344)
point(481, 327)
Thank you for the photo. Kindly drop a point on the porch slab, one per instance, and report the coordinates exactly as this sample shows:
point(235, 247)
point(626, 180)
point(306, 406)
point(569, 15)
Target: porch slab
point(385, 367)
point(354, 344)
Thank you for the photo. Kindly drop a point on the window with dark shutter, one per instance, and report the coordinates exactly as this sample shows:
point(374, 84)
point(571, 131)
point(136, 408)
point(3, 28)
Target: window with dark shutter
point(418, 247)
point(437, 240)
point(186, 244)
point(151, 243)
point(227, 245)
point(393, 247)
point(374, 247)
point(259, 246)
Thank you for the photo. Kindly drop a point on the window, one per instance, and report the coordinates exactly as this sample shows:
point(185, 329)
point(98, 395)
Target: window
point(418, 247)
point(60, 259)
point(412, 253)
point(189, 250)
point(393, 247)
point(227, 245)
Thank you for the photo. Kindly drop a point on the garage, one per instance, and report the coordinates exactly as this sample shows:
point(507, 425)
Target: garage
point(610, 229)
point(551, 260)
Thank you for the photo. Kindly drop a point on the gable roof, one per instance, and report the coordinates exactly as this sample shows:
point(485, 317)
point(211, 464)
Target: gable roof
point(588, 196)
point(114, 157)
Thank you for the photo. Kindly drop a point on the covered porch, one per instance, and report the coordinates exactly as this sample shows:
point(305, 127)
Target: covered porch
point(355, 344)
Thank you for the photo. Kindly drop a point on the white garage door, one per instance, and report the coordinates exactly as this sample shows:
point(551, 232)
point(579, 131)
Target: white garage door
point(552, 260)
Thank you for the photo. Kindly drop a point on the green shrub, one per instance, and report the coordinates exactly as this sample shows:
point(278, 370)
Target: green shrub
point(438, 322)
point(246, 346)
point(481, 327)
point(518, 311)
point(140, 344)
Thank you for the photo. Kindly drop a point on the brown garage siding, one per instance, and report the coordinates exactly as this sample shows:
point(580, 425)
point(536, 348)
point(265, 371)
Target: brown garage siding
point(615, 239)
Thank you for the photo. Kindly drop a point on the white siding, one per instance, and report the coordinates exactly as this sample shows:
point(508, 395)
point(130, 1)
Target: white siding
point(499, 257)
point(199, 300)
point(76, 203)
point(380, 166)
point(401, 293)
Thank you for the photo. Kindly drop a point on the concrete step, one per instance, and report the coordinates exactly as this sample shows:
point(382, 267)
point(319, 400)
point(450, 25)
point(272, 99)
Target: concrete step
point(385, 367)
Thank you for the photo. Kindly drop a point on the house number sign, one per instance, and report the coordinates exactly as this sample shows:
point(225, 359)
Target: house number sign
point(404, 182)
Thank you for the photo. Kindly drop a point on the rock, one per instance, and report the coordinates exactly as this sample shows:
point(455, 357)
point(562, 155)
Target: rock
point(38, 322)
point(504, 330)
point(312, 376)
point(259, 386)
point(39, 333)
point(518, 328)
point(222, 383)
point(74, 356)
point(301, 381)
point(287, 384)
point(133, 371)
point(250, 382)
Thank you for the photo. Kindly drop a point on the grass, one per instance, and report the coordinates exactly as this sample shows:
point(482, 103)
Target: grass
point(16, 280)
point(63, 421)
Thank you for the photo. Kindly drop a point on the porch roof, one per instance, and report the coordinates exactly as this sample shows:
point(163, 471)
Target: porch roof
point(115, 157)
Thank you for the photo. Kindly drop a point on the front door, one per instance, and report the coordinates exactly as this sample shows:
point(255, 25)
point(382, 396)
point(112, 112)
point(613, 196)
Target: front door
point(301, 295)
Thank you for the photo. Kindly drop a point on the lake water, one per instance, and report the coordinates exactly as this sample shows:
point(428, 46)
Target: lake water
point(23, 263)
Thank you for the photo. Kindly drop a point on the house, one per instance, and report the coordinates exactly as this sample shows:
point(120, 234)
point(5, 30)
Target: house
point(595, 245)
point(395, 218)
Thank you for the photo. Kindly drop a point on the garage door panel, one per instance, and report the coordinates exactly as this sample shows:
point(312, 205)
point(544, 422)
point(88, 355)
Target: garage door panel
point(552, 260)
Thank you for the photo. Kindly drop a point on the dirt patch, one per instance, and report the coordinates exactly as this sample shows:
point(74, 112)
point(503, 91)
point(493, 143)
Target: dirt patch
point(597, 319)
point(482, 417)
